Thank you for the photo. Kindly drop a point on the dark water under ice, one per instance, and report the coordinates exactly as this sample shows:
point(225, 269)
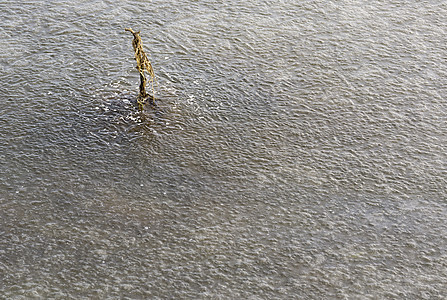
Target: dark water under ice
point(298, 150)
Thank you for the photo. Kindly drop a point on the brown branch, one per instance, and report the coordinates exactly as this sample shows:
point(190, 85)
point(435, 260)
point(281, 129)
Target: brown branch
point(143, 64)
